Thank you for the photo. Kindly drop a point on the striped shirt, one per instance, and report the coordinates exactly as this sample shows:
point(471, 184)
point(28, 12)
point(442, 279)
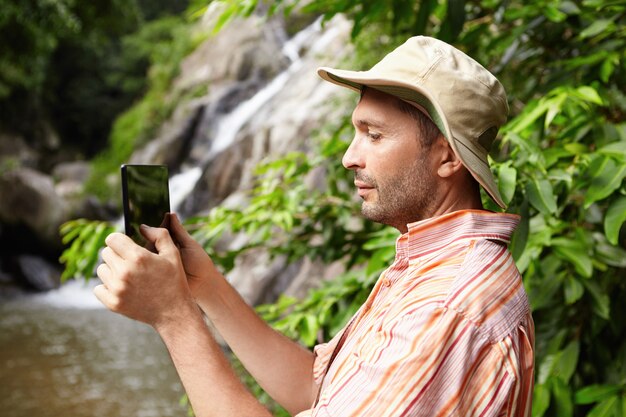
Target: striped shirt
point(446, 331)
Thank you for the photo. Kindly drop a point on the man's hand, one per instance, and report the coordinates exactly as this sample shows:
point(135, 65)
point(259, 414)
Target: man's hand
point(153, 288)
point(200, 269)
point(145, 286)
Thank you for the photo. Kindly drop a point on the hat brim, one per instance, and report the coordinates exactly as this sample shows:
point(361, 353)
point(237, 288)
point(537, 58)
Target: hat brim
point(473, 158)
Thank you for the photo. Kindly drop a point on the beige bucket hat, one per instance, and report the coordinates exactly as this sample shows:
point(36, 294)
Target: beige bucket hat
point(466, 102)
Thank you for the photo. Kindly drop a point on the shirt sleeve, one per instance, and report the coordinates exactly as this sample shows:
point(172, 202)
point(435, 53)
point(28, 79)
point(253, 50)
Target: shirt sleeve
point(426, 363)
point(323, 352)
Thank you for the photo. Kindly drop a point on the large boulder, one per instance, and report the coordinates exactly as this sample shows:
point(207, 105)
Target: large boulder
point(29, 198)
point(14, 152)
point(31, 212)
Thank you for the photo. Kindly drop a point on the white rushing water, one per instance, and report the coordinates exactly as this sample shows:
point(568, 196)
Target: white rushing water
point(182, 184)
point(75, 294)
point(231, 124)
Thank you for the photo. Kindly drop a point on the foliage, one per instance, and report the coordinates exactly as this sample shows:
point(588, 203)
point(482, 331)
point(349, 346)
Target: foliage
point(30, 34)
point(163, 43)
point(288, 218)
point(87, 238)
point(54, 56)
point(561, 165)
point(68, 68)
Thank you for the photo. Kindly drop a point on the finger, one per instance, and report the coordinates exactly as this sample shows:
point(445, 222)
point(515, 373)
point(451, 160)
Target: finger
point(160, 237)
point(111, 258)
point(105, 297)
point(105, 274)
point(121, 244)
point(179, 233)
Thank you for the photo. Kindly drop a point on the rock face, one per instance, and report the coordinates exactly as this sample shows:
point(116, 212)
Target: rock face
point(230, 68)
point(272, 110)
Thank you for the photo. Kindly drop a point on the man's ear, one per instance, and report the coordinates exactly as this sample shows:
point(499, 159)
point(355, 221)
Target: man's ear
point(448, 162)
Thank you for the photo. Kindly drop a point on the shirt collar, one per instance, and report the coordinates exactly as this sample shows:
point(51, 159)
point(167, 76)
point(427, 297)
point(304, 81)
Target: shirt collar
point(431, 235)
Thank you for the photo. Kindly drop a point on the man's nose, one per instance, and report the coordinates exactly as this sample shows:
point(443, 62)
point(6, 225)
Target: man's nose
point(353, 157)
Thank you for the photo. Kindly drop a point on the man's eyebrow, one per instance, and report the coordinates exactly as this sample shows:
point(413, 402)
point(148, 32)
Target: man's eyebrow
point(369, 123)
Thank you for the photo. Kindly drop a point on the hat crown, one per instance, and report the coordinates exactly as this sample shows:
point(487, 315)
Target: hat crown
point(472, 99)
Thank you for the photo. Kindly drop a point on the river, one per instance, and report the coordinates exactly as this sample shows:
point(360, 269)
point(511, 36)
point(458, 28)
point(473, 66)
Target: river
point(63, 354)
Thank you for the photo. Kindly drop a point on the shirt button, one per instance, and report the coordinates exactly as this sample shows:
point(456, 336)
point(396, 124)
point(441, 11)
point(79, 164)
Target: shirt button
point(386, 282)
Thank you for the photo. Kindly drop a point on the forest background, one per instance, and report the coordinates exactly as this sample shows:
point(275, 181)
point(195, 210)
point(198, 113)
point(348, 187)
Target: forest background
point(561, 161)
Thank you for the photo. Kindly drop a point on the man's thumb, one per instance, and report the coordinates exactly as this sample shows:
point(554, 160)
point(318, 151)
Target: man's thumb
point(178, 232)
point(159, 237)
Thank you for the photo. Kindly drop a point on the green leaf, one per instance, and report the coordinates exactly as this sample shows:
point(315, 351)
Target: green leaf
point(308, 329)
point(541, 400)
point(507, 176)
point(562, 398)
point(605, 409)
point(520, 236)
point(607, 69)
point(576, 252)
point(600, 299)
point(555, 105)
point(589, 94)
point(554, 14)
point(609, 254)
point(532, 111)
point(573, 290)
point(553, 154)
point(608, 179)
point(567, 361)
point(615, 149)
point(614, 219)
point(597, 27)
point(594, 393)
point(541, 195)
point(544, 371)
point(575, 148)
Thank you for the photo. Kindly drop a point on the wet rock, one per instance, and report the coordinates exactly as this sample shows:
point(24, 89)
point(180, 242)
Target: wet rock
point(29, 198)
point(15, 152)
point(37, 273)
point(243, 49)
point(172, 145)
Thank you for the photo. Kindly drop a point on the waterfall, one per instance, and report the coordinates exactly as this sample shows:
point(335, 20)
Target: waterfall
point(181, 185)
point(230, 125)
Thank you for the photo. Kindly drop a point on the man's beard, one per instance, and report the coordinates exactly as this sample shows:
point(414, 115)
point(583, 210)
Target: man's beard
point(406, 198)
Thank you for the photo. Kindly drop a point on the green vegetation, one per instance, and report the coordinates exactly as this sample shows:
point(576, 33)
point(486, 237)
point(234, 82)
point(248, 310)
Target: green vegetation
point(561, 164)
point(163, 43)
point(59, 64)
point(71, 68)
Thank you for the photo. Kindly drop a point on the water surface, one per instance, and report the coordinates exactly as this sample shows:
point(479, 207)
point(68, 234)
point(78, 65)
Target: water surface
point(62, 354)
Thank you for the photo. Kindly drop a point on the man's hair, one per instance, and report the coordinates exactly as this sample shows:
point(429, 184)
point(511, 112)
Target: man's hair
point(429, 131)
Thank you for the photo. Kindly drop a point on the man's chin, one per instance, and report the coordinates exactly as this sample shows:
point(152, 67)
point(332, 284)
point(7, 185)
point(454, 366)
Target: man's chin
point(371, 211)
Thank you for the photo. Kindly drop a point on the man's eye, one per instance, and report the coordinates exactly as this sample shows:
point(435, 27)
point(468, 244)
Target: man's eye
point(374, 136)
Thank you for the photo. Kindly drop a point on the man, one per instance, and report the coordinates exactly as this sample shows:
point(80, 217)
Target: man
point(447, 329)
